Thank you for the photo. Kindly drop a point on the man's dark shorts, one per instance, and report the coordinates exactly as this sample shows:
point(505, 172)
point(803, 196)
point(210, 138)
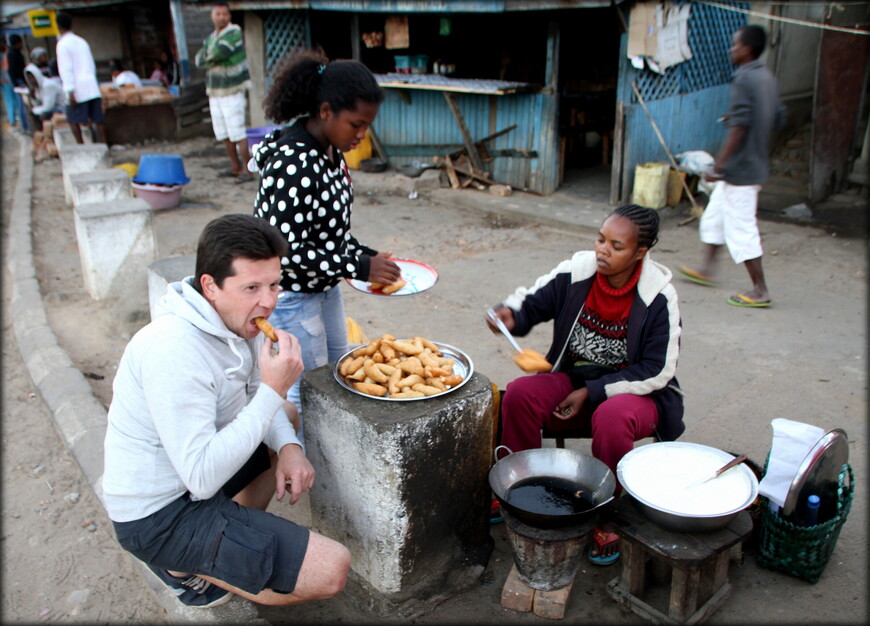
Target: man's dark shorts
point(245, 547)
point(83, 111)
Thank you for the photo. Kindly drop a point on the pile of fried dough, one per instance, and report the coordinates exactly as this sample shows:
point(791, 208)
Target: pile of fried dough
point(393, 368)
point(388, 289)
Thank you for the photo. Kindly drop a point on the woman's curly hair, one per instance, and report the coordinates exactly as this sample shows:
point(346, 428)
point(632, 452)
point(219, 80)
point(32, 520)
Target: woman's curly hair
point(306, 78)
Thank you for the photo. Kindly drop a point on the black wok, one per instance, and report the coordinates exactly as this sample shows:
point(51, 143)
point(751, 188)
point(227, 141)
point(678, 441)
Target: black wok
point(586, 472)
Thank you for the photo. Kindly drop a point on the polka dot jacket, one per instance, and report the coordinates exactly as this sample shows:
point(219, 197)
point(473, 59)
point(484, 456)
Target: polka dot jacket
point(309, 198)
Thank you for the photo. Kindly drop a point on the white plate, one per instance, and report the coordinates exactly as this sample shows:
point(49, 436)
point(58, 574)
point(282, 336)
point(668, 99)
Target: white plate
point(463, 366)
point(419, 277)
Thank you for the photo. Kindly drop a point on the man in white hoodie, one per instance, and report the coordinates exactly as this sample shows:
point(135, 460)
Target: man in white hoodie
point(199, 438)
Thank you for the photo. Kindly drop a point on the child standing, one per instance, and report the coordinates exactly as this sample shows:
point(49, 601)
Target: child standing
point(306, 191)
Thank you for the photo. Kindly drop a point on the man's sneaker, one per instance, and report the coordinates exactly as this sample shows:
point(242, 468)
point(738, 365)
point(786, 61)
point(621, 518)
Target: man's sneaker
point(192, 590)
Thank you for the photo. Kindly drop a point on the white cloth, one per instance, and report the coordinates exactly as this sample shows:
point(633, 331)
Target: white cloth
point(792, 441)
point(76, 67)
point(730, 219)
point(188, 409)
point(127, 78)
point(228, 116)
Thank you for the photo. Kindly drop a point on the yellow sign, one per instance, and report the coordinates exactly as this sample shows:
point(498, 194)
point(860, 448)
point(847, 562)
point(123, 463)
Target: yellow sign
point(42, 23)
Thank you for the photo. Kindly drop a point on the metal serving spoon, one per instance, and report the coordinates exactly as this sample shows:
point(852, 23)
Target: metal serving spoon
point(732, 463)
point(500, 325)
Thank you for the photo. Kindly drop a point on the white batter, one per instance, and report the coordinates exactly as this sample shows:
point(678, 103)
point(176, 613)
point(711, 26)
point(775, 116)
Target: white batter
point(663, 475)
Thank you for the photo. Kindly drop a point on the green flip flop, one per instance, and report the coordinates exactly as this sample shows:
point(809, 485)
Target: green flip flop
point(746, 301)
point(695, 276)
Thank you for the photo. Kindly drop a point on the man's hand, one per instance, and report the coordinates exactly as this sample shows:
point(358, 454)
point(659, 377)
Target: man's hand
point(506, 315)
point(383, 269)
point(712, 174)
point(72, 99)
point(571, 405)
point(280, 370)
point(294, 470)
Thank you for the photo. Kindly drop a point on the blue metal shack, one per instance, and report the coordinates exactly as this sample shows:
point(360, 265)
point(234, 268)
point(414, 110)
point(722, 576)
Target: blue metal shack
point(578, 109)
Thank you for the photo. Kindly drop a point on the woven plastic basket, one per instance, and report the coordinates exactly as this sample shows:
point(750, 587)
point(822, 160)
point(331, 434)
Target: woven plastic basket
point(804, 551)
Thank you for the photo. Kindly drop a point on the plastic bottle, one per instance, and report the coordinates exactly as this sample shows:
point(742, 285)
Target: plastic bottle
point(812, 515)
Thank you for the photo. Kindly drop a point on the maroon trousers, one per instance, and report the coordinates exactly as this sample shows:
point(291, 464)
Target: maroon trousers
point(619, 421)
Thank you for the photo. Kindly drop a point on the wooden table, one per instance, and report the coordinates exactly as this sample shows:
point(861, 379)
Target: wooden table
point(697, 563)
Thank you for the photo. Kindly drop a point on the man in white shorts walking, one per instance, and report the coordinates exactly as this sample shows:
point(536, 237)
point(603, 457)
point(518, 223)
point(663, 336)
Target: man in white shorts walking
point(742, 165)
point(226, 80)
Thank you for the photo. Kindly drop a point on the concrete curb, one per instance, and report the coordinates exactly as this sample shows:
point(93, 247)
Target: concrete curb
point(78, 415)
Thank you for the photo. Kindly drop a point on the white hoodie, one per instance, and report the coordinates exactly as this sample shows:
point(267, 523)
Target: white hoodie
point(188, 409)
point(49, 96)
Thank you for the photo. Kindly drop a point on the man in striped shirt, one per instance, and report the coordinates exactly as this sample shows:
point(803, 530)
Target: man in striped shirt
point(226, 80)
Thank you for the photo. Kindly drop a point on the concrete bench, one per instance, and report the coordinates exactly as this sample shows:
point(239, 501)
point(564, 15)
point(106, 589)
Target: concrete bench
point(404, 486)
point(79, 158)
point(165, 271)
point(116, 242)
point(64, 137)
point(98, 186)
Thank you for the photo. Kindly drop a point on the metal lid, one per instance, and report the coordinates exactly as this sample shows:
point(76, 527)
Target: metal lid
point(819, 473)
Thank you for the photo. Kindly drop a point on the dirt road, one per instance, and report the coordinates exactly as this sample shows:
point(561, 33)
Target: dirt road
point(803, 359)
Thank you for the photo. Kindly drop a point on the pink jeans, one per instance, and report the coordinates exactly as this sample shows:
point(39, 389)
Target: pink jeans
point(619, 421)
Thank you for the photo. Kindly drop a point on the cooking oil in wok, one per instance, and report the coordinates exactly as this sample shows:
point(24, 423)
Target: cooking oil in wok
point(549, 495)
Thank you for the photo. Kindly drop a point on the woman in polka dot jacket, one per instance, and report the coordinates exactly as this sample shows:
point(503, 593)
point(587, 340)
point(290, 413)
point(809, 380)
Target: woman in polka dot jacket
point(306, 191)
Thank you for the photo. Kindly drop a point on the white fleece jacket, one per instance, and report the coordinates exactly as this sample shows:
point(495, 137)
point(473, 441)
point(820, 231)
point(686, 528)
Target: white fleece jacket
point(188, 409)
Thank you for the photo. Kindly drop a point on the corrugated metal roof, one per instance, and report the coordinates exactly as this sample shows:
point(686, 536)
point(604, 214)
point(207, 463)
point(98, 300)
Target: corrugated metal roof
point(445, 83)
point(81, 4)
point(10, 9)
point(416, 6)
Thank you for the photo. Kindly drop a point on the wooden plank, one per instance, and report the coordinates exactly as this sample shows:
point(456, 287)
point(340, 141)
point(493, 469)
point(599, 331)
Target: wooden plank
point(470, 148)
point(633, 567)
point(720, 570)
point(709, 607)
point(684, 592)
point(636, 605)
point(451, 172)
point(376, 143)
point(457, 153)
point(474, 175)
point(517, 595)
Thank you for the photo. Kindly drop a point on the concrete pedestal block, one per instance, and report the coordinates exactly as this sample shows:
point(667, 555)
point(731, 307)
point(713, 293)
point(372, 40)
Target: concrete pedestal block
point(63, 137)
point(98, 186)
point(116, 243)
point(77, 158)
point(165, 271)
point(404, 486)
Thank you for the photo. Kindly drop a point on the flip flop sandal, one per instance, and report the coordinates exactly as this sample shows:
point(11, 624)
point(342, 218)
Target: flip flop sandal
point(228, 173)
point(244, 178)
point(602, 539)
point(746, 301)
point(695, 276)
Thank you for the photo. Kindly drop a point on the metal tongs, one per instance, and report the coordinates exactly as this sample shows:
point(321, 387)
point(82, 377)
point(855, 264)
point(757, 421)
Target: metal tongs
point(500, 325)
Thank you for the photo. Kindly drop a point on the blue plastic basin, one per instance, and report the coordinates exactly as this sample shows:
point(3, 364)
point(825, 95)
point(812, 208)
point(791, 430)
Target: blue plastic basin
point(161, 169)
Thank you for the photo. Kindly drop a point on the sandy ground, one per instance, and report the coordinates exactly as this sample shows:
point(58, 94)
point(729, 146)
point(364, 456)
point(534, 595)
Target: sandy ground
point(803, 359)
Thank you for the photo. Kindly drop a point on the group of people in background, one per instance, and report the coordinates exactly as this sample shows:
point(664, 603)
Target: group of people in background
point(66, 84)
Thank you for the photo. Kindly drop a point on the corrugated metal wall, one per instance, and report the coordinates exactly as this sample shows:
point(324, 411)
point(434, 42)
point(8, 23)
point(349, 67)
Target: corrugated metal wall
point(686, 101)
point(426, 126)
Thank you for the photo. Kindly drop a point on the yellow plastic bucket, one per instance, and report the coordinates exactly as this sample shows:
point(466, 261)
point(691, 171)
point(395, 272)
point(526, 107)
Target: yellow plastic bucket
point(651, 185)
point(675, 186)
point(362, 151)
